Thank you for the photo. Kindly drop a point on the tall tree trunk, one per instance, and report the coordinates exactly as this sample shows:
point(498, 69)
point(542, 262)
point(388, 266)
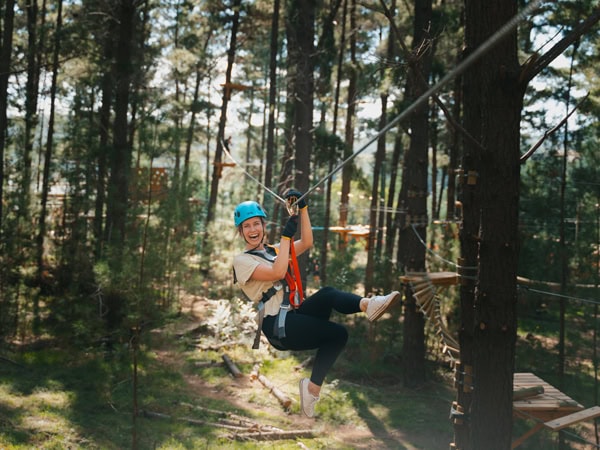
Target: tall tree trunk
point(218, 158)
point(5, 60)
point(301, 32)
point(190, 131)
point(303, 19)
point(118, 187)
point(376, 224)
point(392, 219)
point(273, 52)
point(336, 104)
point(411, 253)
point(494, 328)
point(103, 139)
point(47, 160)
point(375, 194)
point(348, 169)
point(454, 153)
point(31, 98)
point(469, 195)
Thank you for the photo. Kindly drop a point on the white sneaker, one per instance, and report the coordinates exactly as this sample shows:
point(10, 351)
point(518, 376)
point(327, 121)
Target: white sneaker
point(379, 303)
point(307, 400)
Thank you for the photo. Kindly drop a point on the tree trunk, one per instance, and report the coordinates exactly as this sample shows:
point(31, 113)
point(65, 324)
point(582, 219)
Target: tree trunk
point(350, 117)
point(391, 223)
point(499, 104)
point(336, 104)
point(118, 187)
point(301, 32)
point(376, 224)
point(411, 253)
point(270, 153)
point(373, 228)
point(47, 160)
point(454, 154)
point(5, 59)
point(31, 98)
point(469, 194)
point(303, 90)
point(217, 167)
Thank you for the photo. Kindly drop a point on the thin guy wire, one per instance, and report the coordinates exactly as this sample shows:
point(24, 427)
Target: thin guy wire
point(568, 297)
point(458, 266)
point(226, 151)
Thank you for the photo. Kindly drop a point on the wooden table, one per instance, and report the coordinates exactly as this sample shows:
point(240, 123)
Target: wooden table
point(552, 408)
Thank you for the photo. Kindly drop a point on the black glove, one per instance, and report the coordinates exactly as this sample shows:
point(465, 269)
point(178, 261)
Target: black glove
point(293, 195)
point(290, 227)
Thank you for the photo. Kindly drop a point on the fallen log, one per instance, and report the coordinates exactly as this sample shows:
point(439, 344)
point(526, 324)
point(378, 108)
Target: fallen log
point(273, 435)
point(524, 393)
point(255, 372)
point(232, 367)
point(232, 418)
point(157, 415)
point(283, 399)
point(216, 346)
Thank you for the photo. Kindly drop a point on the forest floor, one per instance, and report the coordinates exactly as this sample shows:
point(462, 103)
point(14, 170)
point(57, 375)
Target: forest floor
point(353, 423)
point(186, 398)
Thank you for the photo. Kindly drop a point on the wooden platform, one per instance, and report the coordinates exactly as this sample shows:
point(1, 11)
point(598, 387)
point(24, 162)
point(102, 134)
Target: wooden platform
point(549, 405)
point(436, 278)
point(550, 408)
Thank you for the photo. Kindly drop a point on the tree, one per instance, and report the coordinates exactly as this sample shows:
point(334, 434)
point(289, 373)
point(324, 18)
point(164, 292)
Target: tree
point(332, 157)
point(5, 58)
point(411, 253)
point(227, 90)
point(495, 104)
point(121, 152)
point(48, 154)
point(352, 95)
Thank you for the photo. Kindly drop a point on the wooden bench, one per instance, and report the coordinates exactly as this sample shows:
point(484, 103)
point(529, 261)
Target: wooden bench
point(571, 419)
point(536, 399)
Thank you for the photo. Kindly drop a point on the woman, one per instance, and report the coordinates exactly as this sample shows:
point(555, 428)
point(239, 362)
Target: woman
point(261, 271)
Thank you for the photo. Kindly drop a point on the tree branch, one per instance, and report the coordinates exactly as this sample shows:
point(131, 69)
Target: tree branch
point(536, 64)
point(550, 132)
point(412, 62)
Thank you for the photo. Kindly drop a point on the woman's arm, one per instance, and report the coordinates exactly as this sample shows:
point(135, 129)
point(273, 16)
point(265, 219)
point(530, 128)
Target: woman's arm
point(306, 238)
point(276, 271)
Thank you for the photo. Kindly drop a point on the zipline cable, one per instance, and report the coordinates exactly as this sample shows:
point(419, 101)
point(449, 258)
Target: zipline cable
point(459, 69)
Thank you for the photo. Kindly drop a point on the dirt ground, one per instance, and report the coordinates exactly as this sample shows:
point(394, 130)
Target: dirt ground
point(239, 392)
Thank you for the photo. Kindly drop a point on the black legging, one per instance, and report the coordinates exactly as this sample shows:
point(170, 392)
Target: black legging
point(309, 327)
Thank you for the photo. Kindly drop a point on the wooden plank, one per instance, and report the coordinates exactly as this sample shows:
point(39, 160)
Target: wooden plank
point(579, 416)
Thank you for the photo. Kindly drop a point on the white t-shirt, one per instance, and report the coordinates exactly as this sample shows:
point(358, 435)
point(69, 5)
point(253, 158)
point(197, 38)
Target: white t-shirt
point(244, 265)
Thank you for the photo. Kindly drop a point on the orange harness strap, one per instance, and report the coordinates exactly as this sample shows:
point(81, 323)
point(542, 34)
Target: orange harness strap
point(294, 279)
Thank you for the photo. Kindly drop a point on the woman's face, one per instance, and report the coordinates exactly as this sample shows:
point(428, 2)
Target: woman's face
point(253, 231)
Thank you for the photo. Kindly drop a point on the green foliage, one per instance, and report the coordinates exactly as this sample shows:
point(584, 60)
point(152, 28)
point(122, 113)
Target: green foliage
point(342, 271)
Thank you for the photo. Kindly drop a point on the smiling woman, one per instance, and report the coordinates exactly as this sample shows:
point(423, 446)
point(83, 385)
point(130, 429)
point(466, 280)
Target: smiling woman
point(269, 277)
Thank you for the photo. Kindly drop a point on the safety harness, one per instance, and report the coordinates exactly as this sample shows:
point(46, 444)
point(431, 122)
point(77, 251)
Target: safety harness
point(293, 293)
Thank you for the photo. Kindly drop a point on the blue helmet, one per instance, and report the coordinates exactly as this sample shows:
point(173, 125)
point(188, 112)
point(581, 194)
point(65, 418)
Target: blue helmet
point(246, 210)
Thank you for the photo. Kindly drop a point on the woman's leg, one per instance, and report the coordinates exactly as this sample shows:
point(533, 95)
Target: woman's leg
point(329, 299)
point(304, 332)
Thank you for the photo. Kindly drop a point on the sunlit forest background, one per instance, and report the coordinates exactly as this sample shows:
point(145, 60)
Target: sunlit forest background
point(131, 128)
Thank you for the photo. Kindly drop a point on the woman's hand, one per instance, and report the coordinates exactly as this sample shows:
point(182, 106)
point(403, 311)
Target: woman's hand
point(290, 227)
